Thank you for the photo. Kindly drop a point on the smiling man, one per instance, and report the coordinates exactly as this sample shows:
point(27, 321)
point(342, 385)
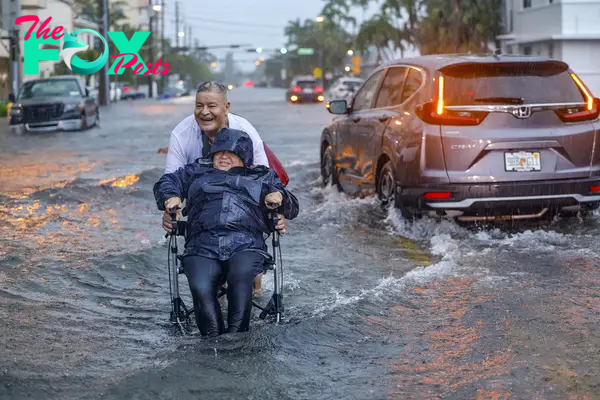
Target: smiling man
point(191, 139)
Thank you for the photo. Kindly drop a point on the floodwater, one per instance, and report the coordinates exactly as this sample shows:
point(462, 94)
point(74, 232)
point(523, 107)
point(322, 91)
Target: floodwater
point(376, 308)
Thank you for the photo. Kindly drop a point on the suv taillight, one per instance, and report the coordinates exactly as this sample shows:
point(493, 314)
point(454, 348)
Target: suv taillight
point(434, 112)
point(579, 114)
point(319, 89)
point(296, 89)
point(428, 113)
point(588, 112)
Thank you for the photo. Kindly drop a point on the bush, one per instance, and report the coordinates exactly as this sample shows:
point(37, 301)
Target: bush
point(3, 110)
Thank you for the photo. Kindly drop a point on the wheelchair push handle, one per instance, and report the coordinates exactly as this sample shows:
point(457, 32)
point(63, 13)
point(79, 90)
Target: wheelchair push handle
point(174, 226)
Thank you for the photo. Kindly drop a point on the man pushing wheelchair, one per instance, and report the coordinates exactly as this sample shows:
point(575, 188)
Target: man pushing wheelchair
point(229, 200)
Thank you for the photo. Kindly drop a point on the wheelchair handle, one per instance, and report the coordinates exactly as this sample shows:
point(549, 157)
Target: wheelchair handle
point(174, 223)
point(274, 219)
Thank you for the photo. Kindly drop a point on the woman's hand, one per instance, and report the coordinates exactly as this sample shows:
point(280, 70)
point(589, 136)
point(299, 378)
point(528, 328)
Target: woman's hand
point(273, 200)
point(172, 205)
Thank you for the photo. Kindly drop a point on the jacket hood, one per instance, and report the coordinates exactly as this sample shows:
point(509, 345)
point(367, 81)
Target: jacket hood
point(236, 141)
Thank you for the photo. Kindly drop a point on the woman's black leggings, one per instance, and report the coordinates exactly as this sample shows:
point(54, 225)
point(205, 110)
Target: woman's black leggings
point(207, 275)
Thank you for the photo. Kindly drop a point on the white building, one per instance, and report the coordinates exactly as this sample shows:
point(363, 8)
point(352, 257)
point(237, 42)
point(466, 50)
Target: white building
point(566, 30)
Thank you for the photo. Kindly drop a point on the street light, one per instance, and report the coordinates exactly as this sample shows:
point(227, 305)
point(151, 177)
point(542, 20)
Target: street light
point(181, 34)
point(283, 50)
point(350, 52)
point(156, 8)
point(259, 50)
point(320, 19)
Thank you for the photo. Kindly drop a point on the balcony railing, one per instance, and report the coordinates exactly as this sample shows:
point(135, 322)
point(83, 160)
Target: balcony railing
point(33, 4)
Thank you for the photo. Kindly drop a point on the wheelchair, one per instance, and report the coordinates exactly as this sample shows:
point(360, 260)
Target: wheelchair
point(180, 313)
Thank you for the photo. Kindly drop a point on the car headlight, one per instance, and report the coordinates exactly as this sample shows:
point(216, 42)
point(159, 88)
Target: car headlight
point(71, 107)
point(15, 110)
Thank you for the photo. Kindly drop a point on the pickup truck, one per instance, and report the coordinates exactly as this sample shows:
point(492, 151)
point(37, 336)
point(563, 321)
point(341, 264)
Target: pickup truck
point(60, 103)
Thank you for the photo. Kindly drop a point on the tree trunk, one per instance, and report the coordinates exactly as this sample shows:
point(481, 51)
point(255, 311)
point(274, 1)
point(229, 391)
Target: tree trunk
point(457, 26)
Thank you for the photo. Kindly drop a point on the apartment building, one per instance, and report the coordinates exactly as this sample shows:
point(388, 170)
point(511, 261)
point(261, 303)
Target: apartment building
point(566, 30)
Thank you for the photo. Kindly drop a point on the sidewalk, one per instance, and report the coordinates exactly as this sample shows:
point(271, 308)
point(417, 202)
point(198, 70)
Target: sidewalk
point(4, 126)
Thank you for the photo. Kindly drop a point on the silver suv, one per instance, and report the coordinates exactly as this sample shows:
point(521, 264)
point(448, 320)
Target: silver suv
point(470, 137)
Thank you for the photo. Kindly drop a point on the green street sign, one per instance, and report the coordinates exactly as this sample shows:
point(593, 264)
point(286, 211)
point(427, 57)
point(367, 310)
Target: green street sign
point(305, 51)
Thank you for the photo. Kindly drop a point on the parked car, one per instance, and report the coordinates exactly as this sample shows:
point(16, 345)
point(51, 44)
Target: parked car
point(469, 137)
point(305, 89)
point(345, 88)
point(53, 104)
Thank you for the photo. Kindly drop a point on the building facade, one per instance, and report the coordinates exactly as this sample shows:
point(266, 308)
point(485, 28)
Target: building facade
point(566, 30)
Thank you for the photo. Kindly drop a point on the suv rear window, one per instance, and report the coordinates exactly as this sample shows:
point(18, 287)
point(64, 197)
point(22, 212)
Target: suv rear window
point(306, 84)
point(505, 83)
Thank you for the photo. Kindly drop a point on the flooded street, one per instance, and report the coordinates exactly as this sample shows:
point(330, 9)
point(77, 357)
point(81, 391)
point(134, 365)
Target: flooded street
point(376, 307)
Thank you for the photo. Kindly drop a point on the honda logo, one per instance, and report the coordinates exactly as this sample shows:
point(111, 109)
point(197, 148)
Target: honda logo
point(522, 112)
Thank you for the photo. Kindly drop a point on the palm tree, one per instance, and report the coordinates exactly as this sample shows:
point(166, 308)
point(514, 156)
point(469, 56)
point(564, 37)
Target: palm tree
point(383, 35)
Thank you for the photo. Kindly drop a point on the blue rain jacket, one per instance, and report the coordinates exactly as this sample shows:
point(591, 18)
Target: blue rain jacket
point(226, 210)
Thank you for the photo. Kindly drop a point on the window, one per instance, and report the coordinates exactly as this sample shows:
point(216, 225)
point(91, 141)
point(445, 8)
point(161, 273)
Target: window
point(364, 98)
point(550, 50)
point(50, 88)
point(527, 50)
point(413, 83)
point(526, 3)
point(390, 93)
point(535, 82)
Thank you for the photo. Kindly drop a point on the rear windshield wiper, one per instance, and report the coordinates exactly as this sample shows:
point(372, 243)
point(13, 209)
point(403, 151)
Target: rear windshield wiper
point(502, 100)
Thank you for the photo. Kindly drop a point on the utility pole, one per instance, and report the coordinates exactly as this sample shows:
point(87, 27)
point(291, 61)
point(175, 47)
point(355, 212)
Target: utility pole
point(177, 24)
point(12, 11)
point(151, 48)
point(162, 43)
point(104, 91)
point(190, 37)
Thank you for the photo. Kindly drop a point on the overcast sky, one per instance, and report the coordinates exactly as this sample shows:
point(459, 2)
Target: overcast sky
point(259, 23)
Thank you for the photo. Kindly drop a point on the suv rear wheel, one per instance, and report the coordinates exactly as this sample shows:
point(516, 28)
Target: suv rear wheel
point(328, 171)
point(386, 190)
point(386, 186)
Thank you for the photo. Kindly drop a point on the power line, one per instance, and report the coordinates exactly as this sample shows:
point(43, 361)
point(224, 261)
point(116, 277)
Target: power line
point(204, 22)
point(236, 23)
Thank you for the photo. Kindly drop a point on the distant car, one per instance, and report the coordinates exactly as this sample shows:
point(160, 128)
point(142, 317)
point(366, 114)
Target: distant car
point(129, 91)
point(115, 92)
point(305, 89)
point(60, 103)
point(345, 88)
point(470, 138)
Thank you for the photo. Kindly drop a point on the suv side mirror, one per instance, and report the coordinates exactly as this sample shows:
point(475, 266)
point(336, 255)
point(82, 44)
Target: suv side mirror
point(338, 107)
point(11, 98)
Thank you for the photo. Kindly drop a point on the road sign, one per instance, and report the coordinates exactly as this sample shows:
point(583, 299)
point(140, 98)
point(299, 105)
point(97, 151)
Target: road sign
point(305, 51)
point(356, 65)
point(317, 73)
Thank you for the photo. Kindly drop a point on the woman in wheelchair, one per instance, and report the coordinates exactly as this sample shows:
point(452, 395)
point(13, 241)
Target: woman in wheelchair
point(228, 200)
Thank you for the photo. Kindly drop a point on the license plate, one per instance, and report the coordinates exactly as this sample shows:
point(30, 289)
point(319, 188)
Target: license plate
point(307, 90)
point(523, 161)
